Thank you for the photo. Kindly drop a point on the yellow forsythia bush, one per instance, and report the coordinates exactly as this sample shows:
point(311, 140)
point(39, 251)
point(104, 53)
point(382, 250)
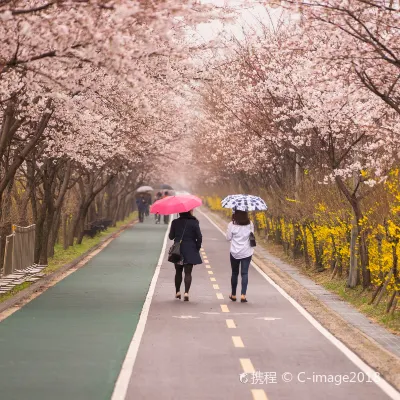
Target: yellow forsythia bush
point(214, 204)
point(327, 235)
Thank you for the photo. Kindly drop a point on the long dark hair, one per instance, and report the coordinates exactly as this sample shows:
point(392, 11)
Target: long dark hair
point(187, 215)
point(241, 218)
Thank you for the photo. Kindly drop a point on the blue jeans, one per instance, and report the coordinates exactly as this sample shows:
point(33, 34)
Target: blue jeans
point(244, 263)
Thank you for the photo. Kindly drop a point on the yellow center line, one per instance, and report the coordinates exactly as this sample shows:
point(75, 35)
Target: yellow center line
point(220, 296)
point(224, 308)
point(206, 262)
point(247, 365)
point(230, 323)
point(237, 341)
point(210, 273)
point(208, 266)
point(213, 280)
point(259, 394)
point(216, 287)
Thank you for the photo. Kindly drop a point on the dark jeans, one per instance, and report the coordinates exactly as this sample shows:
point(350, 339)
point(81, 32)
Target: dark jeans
point(178, 277)
point(166, 219)
point(244, 265)
point(141, 216)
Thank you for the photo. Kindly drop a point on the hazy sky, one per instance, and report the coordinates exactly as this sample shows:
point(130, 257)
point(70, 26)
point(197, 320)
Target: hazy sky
point(250, 15)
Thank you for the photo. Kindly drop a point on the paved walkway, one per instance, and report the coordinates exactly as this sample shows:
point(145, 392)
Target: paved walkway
point(385, 338)
point(70, 342)
point(198, 349)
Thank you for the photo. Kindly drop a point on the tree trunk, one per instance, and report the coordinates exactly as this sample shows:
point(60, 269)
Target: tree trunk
point(78, 226)
point(352, 280)
point(39, 232)
point(117, 209)
point(305, 245)
point(296, 242)
point(65, 231)
point(54, 233)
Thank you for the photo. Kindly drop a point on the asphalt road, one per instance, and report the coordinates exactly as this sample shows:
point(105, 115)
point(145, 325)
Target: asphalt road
point(212, 348)
point(69, 343)
point(113, 329)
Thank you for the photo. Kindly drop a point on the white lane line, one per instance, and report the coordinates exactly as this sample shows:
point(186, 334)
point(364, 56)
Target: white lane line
point(220, 296)
point(230, 323)
point(259, 394)
point(381, 383)
point(213, 280)
point(216, 287)
point(224, 308)
point(121, 386)
point(237, 341)
point(247, 366)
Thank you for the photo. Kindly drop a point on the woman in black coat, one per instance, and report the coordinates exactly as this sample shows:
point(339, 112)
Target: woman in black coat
point(187, 229)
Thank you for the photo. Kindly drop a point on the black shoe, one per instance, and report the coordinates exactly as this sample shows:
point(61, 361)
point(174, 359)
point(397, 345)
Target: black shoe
point(243, 301)
point(178, 296)
point(186, 298)
point(232, 298)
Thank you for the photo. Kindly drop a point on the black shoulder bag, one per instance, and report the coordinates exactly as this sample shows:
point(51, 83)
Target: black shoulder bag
point(174, 254)
point(252, 239)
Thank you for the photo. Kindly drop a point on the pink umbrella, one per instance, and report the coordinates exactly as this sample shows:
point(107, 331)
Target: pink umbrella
point(175, 204)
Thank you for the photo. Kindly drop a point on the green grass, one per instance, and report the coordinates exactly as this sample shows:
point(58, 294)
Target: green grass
point(14, 291)
point(360, 299)
point(62, 257)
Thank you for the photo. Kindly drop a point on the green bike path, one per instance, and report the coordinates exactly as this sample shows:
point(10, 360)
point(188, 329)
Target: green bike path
point(70, 342)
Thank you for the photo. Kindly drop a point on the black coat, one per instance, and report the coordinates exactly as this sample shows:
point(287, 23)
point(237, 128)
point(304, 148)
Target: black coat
point(192, 239)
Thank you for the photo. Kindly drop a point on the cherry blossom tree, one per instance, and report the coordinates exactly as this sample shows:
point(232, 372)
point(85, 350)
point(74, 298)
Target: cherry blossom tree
point(280, 104)
point(88, 101)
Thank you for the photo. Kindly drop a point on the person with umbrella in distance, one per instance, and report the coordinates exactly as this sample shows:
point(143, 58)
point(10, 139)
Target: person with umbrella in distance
point(241, 235)
point(186, 234)
point(141, 206)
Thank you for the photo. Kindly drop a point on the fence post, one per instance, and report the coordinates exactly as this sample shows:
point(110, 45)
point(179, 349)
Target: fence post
point(8, 255)
point(24, 247)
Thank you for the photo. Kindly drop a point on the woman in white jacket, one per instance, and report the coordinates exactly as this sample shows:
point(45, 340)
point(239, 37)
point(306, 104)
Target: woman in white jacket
point(241, 251)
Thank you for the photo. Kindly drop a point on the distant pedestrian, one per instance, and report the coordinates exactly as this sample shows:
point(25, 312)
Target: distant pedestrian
point(141, 206)
point(166, 217)
point(241, 252)
point(187, 229)
point(158, 216)
point(148, 204)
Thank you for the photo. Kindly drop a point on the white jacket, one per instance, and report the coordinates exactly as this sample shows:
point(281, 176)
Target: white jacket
point(239, 236)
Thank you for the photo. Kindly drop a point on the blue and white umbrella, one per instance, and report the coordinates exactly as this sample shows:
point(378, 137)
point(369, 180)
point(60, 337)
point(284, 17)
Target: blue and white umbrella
point(244, 202)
